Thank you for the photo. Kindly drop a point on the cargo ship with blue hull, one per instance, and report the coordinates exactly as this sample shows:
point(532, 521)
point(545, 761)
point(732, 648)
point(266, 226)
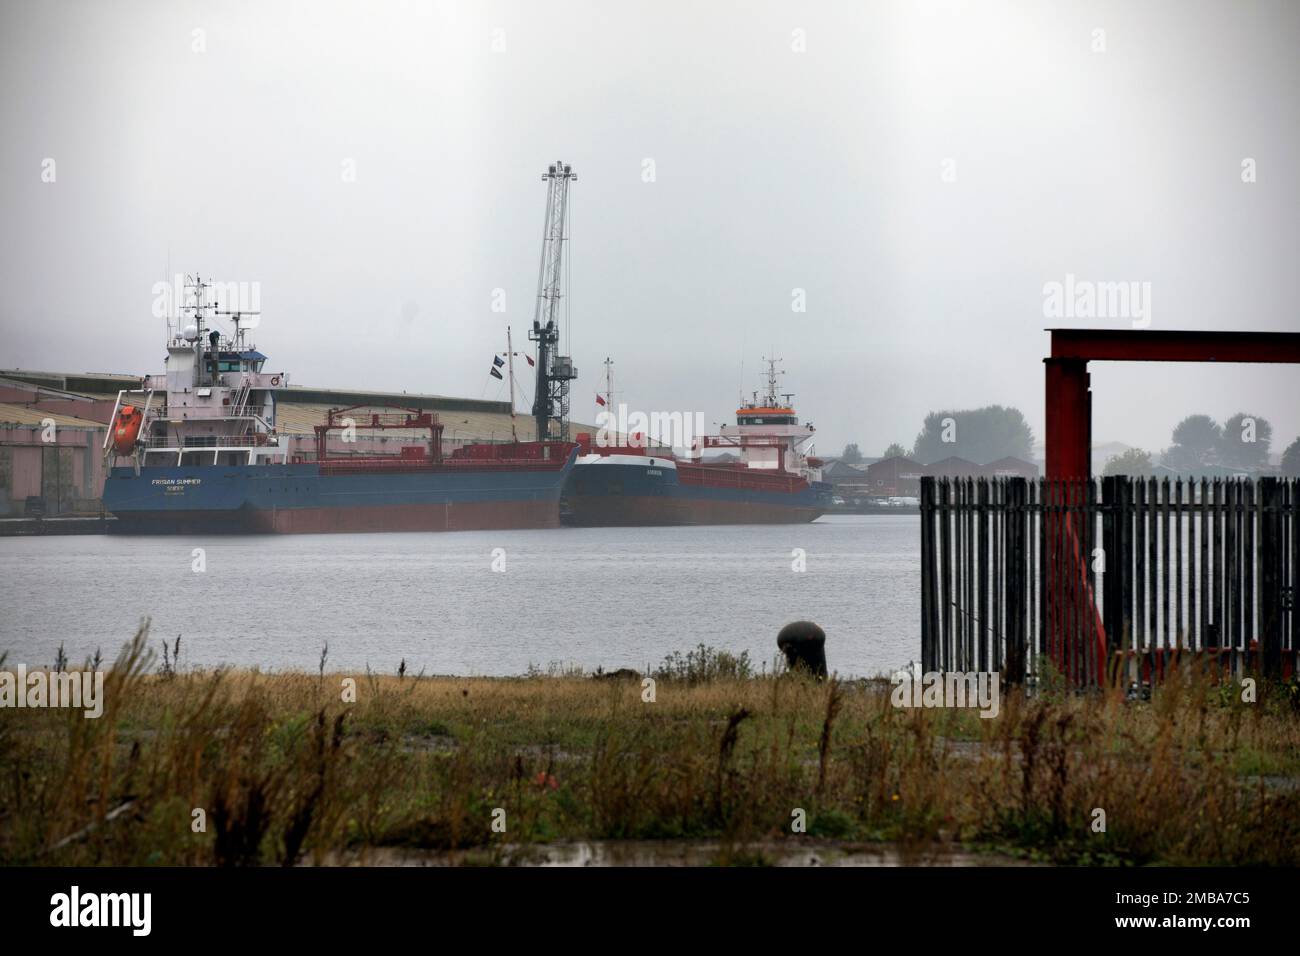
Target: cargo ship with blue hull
point(768, 478)
point(196, 450)
point(457, 494)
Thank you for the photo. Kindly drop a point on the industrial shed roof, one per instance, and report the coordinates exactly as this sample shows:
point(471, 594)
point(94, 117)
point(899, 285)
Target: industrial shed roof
point(22, 415)
point(469, 419)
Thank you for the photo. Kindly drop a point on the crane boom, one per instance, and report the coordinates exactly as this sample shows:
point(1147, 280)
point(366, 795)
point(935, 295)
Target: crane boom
point(554, 371)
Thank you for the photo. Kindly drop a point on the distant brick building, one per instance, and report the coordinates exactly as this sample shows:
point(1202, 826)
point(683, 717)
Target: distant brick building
point(954, 467)
point(838, 471)
point(849, 481)
point(895, 477)
point(51, 448)
point(1010, 467)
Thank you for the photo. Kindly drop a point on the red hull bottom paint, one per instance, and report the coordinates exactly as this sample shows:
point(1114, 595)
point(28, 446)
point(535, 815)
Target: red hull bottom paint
point(634, 511)
point(477, 516)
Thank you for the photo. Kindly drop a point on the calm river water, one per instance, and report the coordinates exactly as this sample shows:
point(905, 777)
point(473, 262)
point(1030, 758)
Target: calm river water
point(610, 597)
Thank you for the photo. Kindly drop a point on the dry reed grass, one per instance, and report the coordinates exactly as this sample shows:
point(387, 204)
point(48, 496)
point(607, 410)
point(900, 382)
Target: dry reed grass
point(284, 769)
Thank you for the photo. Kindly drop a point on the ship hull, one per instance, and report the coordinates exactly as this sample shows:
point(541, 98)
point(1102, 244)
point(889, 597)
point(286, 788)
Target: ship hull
point(590, 511)
point(299, 499)
point(604, 494)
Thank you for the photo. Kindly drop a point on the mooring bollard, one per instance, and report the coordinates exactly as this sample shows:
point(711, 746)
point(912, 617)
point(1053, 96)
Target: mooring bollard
point(804, 645)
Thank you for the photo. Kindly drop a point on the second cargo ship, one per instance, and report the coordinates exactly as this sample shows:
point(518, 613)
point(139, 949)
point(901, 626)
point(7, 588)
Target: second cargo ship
point(768, 478)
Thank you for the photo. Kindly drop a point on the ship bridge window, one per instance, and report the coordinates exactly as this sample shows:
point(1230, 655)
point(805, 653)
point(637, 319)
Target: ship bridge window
point(768, 420)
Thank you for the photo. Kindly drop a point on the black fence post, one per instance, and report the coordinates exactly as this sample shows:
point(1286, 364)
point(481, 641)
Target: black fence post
point(1014, 549)
point(1290, 582)
point(982, 549)
point(1270, 592)
point(1112, 549)
point(943, 491)
point(929, 613)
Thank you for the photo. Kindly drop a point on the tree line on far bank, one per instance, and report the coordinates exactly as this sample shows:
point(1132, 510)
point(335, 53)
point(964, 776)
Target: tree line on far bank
point(987, 434)
point(1241, 442)
point(980, 435)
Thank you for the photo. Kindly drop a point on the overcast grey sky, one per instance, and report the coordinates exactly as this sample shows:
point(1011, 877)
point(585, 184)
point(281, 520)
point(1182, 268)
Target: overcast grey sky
point(920, 170)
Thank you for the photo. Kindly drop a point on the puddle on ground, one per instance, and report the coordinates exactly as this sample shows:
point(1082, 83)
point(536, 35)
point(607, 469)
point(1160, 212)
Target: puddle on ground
point(668, 853)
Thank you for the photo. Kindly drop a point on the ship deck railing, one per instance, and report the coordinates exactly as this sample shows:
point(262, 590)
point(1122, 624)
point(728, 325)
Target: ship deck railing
point(253, 413)
point(395, 464)
point(757, 441)
point(210, 443)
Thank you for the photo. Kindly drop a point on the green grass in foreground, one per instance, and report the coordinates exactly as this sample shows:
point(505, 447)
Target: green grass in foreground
point(285, 770)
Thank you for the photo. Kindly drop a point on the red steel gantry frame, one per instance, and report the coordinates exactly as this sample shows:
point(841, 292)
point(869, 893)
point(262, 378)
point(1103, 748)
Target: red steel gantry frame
point(1069, 435)
point(1069, 398)
point(394, 416)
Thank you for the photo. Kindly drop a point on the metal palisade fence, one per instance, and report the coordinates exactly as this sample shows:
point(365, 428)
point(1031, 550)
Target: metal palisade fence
point(1109, 579)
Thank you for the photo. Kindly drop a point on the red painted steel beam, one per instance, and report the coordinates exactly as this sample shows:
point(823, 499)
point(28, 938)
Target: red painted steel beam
point(1142, 345)
point(1069, 419)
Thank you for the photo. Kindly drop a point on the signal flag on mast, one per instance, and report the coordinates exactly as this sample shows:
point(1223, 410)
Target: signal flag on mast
point(494, 372)
point(600, 400)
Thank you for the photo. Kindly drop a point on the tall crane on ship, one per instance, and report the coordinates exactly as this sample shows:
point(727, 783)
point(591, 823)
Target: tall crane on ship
point(554, 371)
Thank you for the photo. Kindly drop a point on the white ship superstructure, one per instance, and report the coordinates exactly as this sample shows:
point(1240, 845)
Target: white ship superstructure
point(214, 404)
point(767, 435)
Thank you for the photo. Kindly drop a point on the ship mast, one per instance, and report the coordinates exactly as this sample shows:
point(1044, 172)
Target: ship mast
point(772, 375)
point(554, 372)
point(510, 369)
point(609, 384)
point(198, 335)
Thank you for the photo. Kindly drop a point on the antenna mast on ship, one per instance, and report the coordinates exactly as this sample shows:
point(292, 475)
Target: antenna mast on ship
point(609, 383)
point(197, 333)
point(772, 375)
point(510, 368)
point(554, 372)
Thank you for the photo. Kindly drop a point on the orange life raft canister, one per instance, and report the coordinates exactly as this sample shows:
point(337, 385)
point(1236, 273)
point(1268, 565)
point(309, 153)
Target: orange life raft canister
point(127, 429)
